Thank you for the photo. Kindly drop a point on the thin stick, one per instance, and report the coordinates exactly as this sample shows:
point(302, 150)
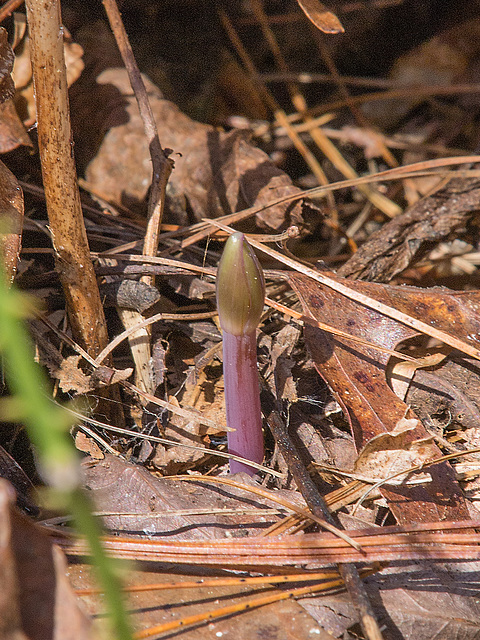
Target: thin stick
point(69, 237)
point(162, 165)
point(319, 508)
point(8, 8)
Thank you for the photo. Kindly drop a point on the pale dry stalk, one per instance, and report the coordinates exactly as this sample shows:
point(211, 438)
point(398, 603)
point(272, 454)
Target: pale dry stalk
point(72, 255)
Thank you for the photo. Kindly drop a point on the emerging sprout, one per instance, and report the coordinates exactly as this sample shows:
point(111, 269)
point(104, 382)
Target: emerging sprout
point(240, 287)
point(240, 300)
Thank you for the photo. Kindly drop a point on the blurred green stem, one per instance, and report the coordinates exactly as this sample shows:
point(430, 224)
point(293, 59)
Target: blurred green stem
point(48, 425)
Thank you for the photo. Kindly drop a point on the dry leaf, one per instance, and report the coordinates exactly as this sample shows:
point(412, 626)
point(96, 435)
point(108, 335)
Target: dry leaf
point(71, 377)
point(36, 599)
point(22, 70)
point(215, 173)
point(12, 131)
point(373, 143)
point(390, 453)
point(161, 505)
point(403, 372)
point(7, 88)
point(440, 61)
point(321, 16)
point(88, 446)
point(356, 373)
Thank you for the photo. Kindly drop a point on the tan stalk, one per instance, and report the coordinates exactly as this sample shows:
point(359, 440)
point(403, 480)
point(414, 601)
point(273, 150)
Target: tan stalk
point(69, 237)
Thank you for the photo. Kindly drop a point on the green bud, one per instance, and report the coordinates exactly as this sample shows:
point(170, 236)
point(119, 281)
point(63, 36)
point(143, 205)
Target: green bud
point(240, 287)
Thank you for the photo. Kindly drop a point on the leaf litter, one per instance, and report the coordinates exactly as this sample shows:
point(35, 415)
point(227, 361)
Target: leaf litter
point(352, 428)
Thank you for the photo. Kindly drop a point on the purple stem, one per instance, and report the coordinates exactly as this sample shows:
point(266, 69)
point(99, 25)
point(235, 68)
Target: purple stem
point(242, 400)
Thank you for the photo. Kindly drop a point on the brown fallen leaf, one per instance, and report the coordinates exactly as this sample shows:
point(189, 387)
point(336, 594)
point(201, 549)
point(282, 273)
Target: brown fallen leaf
point(357, 374)
point(403, 372)
point(321, 16)
point(36, 599)
point(414, 601)
point(69, 374)
point(71, 377)
point(7, 88)
point(161, 505)
point(12, 131)
point(88, 446)
point(22, 68)
point(389, 454)
point(216, 173)
point(438, 61)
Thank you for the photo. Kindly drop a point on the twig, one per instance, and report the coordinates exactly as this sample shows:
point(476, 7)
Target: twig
point(8, 8)
point(271, 103)
point(319, 508)
point(69, 238)
point(162, 166)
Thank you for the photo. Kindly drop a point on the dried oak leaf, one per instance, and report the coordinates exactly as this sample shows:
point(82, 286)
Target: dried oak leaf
point(88, 446)
point(357, 374)
point(72, 378)
point(216, 173)
point(445, 214)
